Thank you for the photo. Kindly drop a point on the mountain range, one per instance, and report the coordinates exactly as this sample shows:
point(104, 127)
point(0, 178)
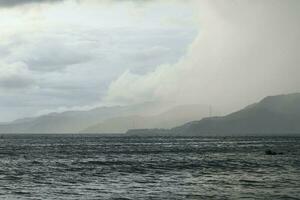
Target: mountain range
point(114, 119)
point(274, 115)
point(175, 116)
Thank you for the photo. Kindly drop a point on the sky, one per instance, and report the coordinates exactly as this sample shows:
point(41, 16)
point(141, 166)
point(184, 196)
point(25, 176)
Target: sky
point(59, 55)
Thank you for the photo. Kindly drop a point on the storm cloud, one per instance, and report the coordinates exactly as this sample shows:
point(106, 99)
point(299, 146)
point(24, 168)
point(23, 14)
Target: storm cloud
point(12, 3)
point(245, 50)
point(15, 77)
point(65, 55)
point(83, 53)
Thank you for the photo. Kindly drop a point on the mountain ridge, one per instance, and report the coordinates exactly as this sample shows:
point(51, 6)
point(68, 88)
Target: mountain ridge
point(273, 115)
point(174, 116)
point(79, 121)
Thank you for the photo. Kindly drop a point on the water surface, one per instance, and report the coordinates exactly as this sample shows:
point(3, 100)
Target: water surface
point(100, 167)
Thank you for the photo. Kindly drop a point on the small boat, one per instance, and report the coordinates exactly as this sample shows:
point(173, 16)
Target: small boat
point(270, 152)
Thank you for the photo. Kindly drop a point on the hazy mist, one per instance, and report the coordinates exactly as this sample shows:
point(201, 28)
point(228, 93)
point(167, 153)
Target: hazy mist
point(245, 50)
point(66, 55)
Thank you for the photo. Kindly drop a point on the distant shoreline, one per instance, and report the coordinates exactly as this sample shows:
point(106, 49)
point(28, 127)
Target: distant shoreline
point(3, 135)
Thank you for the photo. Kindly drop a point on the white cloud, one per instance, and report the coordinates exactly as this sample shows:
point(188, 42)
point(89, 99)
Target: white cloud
point(15, 77)
point(65, 55)
point(151, 53)
point(52, 53)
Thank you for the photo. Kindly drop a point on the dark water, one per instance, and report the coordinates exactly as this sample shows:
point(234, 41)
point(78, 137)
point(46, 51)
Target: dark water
point(95, 167)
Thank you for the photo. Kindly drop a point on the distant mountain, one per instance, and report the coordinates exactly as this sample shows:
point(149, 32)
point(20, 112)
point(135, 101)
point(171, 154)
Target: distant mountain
point(73, 121)
point(173, 117)
point(274, 115)
point(115, 119)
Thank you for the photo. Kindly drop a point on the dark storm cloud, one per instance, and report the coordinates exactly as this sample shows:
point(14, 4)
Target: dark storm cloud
point(12, 3)
point(48, 52)
point(16, 82)
point(66, 53)
point(55, 57)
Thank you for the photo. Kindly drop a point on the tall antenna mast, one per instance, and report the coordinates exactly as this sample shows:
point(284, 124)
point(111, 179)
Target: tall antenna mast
point(210, 111)
point(133, 123)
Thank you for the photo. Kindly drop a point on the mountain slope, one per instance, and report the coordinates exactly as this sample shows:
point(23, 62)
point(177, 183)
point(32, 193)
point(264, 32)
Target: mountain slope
point(173, 117)
point(72, 121)
point(273, 115)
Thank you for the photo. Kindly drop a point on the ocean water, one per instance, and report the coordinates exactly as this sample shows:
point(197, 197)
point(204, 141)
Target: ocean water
point(99, 167)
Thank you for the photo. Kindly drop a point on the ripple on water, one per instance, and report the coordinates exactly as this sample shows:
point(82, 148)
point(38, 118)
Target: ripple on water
point(95, 167)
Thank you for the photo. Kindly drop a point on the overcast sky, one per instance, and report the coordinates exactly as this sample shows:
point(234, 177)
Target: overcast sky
point(75, 54)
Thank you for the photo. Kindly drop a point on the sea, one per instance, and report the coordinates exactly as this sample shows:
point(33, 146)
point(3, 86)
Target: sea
point(78, 166)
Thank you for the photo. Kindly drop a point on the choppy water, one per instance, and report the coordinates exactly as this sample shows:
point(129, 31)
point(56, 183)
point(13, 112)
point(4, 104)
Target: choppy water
point(97, 167)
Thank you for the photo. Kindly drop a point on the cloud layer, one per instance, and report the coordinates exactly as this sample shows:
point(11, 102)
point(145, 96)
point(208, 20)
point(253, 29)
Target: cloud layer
point(245, 50)
point(65, 55)
point(72, 54)
point(12, 3)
